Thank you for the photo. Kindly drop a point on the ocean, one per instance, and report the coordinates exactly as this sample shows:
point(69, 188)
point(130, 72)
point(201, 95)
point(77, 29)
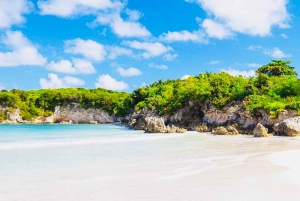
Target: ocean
point(113, 163)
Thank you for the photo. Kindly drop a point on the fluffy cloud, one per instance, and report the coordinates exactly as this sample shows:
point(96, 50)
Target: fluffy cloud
point(234, 72)
point(284, 35)
point(170, 57)
point(88, 48)
point(69, 8)
point(150, 49)
point(185, 77)
point(56, 82)
point(11, 12)
point(216, 30)
point(81, 66)
point(162, 67)
point(129, 72)
point(247, 16)
point(183, 36)
point(23, 51)
point(107, 82)
point(116, 51)
point(124, 28)
point(276, 53)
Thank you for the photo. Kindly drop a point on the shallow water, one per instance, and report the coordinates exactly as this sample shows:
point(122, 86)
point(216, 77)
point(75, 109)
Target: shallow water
point(113, 163)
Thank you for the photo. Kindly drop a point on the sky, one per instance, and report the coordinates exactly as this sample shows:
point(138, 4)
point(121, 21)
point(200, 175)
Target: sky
point(126, 44)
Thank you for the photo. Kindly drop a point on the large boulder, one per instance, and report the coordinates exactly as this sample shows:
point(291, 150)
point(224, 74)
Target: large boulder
point(155, 124)
point(289, 127)
point(229, 130)
point(202, 128)
point(260, 131)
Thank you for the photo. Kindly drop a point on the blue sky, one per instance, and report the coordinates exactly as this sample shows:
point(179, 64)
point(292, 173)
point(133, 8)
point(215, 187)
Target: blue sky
point(123, 45)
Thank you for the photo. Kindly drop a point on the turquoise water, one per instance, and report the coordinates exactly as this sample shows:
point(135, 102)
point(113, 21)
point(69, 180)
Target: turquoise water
point(114, 163)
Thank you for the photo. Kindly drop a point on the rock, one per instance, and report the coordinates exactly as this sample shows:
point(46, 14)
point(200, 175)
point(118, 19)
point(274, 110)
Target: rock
point(261, 131)
point(14, 116)
point(93, 122)
point(155, 124)
point(202, 128)
point(231, 130)
point(289, 127)
point(220, 131)
point(74, 113)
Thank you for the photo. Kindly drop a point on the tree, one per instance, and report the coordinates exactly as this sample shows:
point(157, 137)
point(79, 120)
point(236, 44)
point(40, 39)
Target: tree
point(277, 68)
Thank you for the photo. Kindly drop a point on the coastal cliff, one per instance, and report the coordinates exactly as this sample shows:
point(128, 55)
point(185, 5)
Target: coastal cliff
point(206, 118)
point(72, 113)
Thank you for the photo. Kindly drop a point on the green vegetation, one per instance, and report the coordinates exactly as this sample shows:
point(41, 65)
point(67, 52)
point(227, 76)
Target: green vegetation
point(274, 88)
point(43, 102)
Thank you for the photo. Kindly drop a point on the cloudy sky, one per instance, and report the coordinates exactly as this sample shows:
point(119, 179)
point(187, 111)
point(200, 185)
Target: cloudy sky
point(123, 45)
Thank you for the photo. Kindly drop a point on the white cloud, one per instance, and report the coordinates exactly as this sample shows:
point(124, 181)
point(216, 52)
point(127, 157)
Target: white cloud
point(284, 36)
point(234, 72)
point(88, 48)
point(124, 28)
point(23, 51)
point(116, 51)
point(129, 72)
point(185, 77)
point(170, 57)
point(81, 66)
point(253, 65)
point(276, 53)
point(70, 8)
point(150, 49)
point(247, 16)
point(213, 62)
point(254, 47)
point(56, 82)
point(12, 11)
point(162, 67)
point(216, 30)
point(107, 82)
point(183, 36)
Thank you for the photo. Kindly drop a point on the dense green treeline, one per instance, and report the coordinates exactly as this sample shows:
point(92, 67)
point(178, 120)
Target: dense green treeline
point(275, 87)
point(43, 102)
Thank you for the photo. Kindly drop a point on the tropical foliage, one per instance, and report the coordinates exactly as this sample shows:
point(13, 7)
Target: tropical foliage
point(275, 87)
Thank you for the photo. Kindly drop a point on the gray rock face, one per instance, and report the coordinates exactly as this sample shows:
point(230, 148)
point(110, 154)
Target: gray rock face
point(260, 131)
point(155, 124)
point(80, 115)
point(289, 127)
point(206, 118)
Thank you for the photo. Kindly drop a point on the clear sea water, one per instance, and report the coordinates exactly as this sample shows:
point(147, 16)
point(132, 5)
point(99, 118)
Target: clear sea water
point(113, 163)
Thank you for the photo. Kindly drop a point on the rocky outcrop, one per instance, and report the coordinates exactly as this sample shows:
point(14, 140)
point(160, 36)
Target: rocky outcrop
point(206, 118)
point(261, 131)
point(74, 113)
point(12, 115)
point(155, 124)
point(229, 130)
point(289, 127)
point(63, 114)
